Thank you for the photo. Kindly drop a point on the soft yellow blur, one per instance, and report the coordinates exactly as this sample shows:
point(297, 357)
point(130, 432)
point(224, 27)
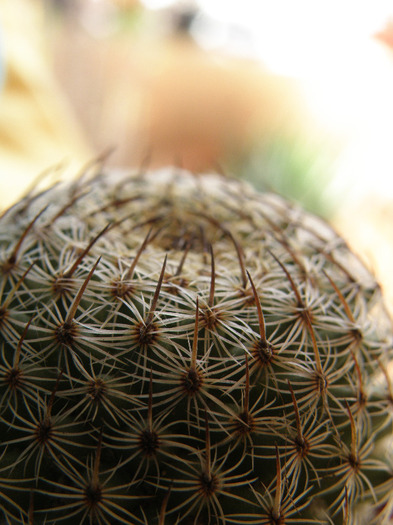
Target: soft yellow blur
point(37, 127)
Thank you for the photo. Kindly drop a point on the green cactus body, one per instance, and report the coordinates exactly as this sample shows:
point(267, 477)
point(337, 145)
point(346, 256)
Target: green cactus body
point(179, 349)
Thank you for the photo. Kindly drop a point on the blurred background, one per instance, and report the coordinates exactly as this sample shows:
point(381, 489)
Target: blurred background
point(295, 96)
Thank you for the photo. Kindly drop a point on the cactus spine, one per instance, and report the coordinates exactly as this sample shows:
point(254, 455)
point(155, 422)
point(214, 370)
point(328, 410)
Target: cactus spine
point(180, 349)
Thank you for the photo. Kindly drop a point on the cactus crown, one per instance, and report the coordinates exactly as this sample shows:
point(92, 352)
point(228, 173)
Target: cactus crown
point(177, 349)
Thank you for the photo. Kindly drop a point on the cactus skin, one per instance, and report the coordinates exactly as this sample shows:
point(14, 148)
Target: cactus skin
point(180, 349)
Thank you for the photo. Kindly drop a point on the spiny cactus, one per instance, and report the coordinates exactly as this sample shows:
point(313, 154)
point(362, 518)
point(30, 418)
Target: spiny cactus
point(179, 349)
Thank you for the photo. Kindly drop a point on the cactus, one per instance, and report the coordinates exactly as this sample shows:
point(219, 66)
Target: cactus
point(183, 350)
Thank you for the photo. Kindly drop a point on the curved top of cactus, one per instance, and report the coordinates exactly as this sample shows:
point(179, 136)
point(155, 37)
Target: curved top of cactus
point(180, 349)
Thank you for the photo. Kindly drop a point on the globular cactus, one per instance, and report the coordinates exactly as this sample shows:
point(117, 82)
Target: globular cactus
point(183, 350)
